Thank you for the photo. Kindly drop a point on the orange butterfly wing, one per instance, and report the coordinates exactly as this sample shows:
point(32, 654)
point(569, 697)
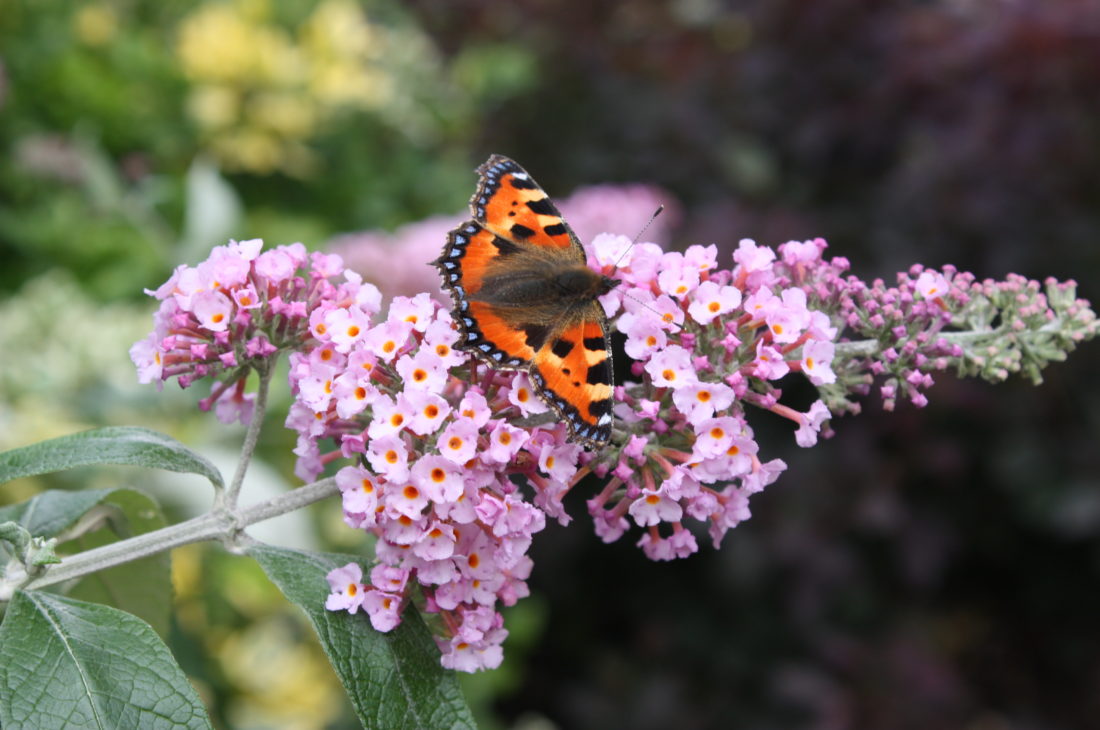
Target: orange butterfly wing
point(500, 269)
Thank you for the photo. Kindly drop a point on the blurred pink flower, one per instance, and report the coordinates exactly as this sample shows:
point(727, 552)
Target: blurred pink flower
point(398, 262)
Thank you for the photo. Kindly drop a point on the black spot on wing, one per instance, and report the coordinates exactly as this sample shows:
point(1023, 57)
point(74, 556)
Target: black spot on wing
point(543, 207)
point(555, 229)
point(504, 246)
point(562, 348)
point(536, 335)
point(599, 374)
point(600, 407)
point(522, 183)
point(597, 344)
point(521, 231)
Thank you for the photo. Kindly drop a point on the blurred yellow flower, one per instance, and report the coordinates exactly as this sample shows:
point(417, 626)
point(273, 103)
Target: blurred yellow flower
point(95, 24)
point(283, 113)
point(261, 92)
point(285, 681)
point(214, 105)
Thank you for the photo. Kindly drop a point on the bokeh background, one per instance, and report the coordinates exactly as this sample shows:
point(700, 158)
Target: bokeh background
point(935, 568)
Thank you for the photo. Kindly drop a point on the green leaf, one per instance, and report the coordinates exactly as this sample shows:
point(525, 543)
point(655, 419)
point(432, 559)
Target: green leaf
point(114, 445)
point(394, 679)
point(50, 512)
point(142, 587)
point(70, 664)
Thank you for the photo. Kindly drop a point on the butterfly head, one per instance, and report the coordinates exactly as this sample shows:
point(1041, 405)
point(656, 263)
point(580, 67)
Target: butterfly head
point(581, 282)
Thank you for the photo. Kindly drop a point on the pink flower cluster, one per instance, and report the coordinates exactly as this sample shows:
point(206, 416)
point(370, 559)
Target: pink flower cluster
point(435, 456)
point(454, 464)
point(706, 343)
point(234, 313)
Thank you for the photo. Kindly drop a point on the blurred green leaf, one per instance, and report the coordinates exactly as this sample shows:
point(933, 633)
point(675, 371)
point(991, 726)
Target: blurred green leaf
point(113, 445)
point(50, 512)
point(141, 587)
point(394, 680)
point(213, 211)
point(70, 664)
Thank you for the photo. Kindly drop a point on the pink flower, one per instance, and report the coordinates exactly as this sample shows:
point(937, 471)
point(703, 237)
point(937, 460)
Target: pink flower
point(458, 441)
point(676, 279)
point(346, 326)
point(811, 421)
point(213, 310)
point(711, 300)
point(713, 436)
point(608, 249)
point(437, 543)
point(802, 252)
point(559, 462)
point(347, 588)
point(387, 340)
point(789, 317)
point(423, 371)
point(391, 416)
point(389, 457)
point(522, 396)
point(769, 363)
point(383, 608)
point(816, 356)
point(505, 441)
point(701, 400)
point(409, 501)
point(416, 311)
point(427, 411)
point(752, 258)
point(655, 507)
point(388, 578)
point(644, 335)
point(440, 479)
point(931, 284)
point(360, 490)
point(671, 367)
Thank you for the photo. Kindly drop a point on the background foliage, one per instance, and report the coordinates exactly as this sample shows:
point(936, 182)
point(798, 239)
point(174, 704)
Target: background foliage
point(923, 569)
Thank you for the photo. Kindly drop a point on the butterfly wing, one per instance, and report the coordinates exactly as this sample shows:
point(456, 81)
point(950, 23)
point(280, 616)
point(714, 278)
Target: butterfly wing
point(573, 373)
point(509, 203)
point(494, 266)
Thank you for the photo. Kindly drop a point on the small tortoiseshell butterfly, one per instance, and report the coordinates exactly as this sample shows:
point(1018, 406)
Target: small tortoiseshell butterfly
point(525, 298)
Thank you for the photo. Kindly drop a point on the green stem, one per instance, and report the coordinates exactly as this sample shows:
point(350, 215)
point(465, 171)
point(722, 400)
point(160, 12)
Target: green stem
point(866, 348)
point(228, 499)
point(220, 523)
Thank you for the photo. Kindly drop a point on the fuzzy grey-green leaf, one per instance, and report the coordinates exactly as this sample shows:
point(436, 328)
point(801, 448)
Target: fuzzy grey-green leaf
point(114, 445)
point(394, 680)
point(69, 664)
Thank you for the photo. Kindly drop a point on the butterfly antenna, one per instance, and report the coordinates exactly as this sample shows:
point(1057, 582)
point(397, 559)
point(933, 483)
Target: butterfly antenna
point(626, 250)
point(639, 234)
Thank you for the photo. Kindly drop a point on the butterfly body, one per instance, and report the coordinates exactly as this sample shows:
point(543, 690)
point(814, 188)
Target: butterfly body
point(525, 298)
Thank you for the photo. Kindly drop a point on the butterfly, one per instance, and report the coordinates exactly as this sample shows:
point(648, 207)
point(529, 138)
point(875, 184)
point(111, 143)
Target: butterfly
point(525, 299)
